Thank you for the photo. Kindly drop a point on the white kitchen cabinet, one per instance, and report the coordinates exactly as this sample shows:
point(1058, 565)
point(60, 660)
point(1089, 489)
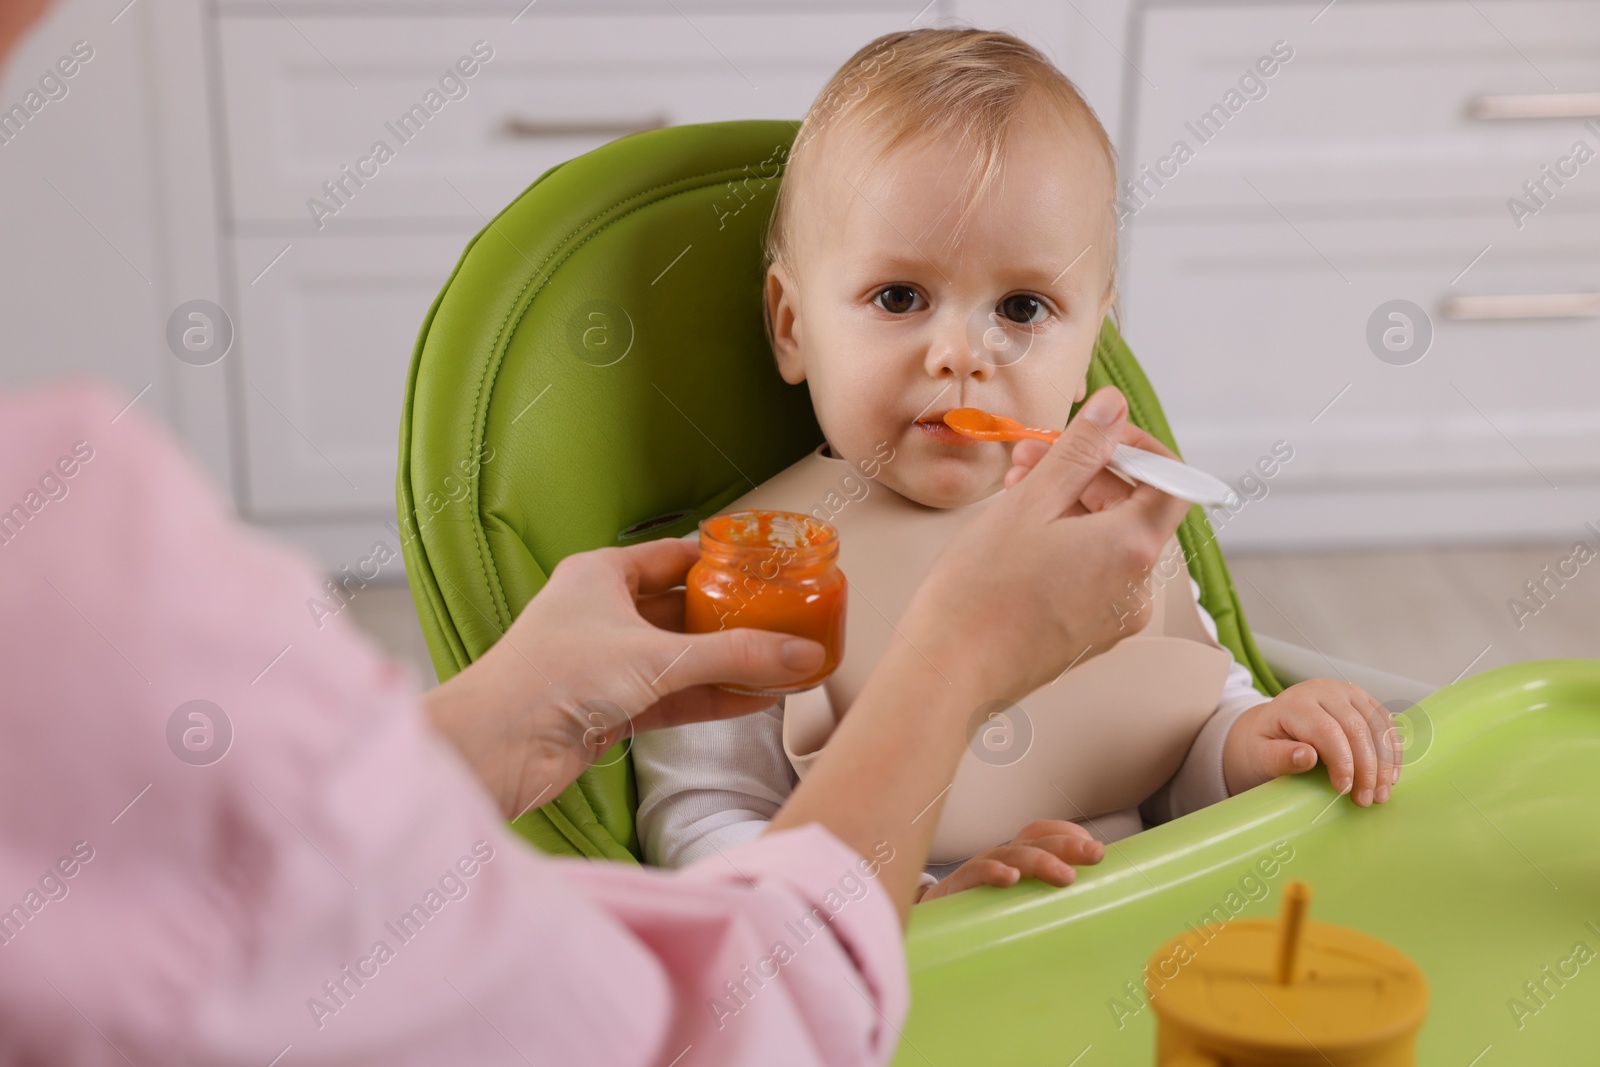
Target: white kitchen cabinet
point(306, 103)
point(1371, 169)
point(324, 343)
point(304, 93)
point(1375, 164)
point(1251, 335)
point(86, 286)
point(1375, 112)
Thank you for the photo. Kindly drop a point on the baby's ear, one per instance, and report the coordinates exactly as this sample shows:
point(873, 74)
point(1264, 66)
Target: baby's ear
point(782, 327)
point(1110, 303)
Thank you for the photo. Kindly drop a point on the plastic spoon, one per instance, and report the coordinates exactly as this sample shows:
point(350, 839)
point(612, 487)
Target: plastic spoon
point(1168, 475)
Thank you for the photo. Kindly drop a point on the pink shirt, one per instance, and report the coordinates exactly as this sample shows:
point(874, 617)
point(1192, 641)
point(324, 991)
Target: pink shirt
point(336, 888)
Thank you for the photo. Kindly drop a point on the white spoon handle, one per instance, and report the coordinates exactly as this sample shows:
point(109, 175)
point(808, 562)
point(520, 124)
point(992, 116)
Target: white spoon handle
point(1171, 477)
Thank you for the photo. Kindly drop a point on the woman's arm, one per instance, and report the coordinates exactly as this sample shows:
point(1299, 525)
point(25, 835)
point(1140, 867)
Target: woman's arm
point(300, 868)
point(597, 656)
point(1027, 588)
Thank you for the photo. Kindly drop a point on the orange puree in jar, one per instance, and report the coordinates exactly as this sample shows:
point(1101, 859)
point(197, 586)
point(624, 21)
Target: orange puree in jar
point(770, 570)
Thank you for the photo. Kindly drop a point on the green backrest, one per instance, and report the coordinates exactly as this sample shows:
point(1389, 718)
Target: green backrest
point(595, 372)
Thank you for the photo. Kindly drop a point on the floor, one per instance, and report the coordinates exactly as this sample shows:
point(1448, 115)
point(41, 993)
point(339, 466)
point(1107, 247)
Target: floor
point(385, 610)
point(1435, 615)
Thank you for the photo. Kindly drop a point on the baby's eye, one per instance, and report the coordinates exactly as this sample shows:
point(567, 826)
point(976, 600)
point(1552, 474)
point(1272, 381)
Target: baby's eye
point(1023, 309)
point(896, 299)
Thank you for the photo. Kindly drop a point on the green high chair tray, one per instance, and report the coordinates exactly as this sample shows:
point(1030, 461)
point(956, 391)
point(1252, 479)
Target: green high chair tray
point(1483, 867)
point(595, 372)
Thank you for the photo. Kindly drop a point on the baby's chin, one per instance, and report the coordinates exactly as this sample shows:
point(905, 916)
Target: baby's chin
point(947, 484)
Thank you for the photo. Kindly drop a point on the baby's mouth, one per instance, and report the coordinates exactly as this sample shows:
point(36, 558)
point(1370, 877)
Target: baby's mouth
point(933, 425)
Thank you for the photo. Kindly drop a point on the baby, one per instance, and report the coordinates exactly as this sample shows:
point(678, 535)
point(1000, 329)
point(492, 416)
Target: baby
point(944, 237)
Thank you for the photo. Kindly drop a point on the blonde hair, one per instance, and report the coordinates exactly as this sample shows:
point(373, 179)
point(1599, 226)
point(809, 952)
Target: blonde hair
point(965, 84)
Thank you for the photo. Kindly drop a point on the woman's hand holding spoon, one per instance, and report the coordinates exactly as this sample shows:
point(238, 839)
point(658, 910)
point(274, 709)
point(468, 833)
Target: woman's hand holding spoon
point(1161, 469)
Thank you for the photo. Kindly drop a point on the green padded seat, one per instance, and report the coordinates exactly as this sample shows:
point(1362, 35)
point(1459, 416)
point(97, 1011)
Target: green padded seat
point(596, 372)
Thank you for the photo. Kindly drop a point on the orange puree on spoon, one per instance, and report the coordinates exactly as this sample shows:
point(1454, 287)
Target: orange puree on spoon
point(1133, 464)
point(982, 426)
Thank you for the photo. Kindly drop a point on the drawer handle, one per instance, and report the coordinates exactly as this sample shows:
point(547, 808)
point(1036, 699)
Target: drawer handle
point(1532, 306)
point(1535, 106)
point(529, 129)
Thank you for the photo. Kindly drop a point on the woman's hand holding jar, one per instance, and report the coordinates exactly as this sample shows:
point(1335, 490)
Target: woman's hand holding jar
point(770, 570)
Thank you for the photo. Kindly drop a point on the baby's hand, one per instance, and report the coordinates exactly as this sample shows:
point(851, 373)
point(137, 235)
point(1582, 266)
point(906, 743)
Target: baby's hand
point(1044, 850)
point(1342, 723)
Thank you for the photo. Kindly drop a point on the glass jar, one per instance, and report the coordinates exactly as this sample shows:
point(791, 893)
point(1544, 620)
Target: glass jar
point(770, 570)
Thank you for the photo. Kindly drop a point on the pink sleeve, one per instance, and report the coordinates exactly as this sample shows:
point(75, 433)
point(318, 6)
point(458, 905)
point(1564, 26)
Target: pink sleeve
point(306, 874)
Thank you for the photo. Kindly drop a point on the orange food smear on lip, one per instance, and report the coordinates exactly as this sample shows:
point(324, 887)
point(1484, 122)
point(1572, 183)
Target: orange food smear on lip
point(770, 570)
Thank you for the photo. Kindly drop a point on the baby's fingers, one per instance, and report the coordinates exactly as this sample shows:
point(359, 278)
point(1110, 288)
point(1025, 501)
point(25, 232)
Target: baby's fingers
point(1032, 862)
point(1380, 723)
point(1364, 754)
point(982, 870)
point(1319, 728)
point(1050, 828)
point(1070, 848)
point(1280, 757)
point(1068, 840)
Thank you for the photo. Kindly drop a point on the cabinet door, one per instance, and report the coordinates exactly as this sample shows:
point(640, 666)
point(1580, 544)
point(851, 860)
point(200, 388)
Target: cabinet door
point(324, 340)
point(325, 333)
point(1253, 332)
point(1393, 107)
point(84, 290)
point(309, 102)
point(1269, 213)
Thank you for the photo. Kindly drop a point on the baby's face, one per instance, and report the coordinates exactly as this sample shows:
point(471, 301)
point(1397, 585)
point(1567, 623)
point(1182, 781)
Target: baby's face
point(891, 319)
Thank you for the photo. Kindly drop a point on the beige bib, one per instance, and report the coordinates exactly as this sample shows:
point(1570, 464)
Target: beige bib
point(1101, 738)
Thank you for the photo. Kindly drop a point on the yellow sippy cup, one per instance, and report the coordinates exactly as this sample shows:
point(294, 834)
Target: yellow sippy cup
point(1259, 992)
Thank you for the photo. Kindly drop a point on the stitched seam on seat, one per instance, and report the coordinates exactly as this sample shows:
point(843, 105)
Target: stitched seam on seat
point(1142, 416)
point(491, 373)
point(1230, 609)
point(502, 340)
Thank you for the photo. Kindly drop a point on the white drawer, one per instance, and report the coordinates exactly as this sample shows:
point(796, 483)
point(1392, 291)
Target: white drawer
point(1375, 106)
point(1249, 335)
point(308, 97)
point(323, 343)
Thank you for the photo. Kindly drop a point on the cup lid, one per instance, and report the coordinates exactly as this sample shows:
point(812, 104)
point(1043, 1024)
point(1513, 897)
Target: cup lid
point(1348, 991)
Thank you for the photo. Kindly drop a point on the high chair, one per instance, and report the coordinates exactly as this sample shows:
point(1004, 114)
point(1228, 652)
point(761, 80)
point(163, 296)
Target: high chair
point(595, 372)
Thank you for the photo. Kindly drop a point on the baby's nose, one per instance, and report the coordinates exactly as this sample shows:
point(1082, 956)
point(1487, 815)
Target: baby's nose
point(952, 352)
